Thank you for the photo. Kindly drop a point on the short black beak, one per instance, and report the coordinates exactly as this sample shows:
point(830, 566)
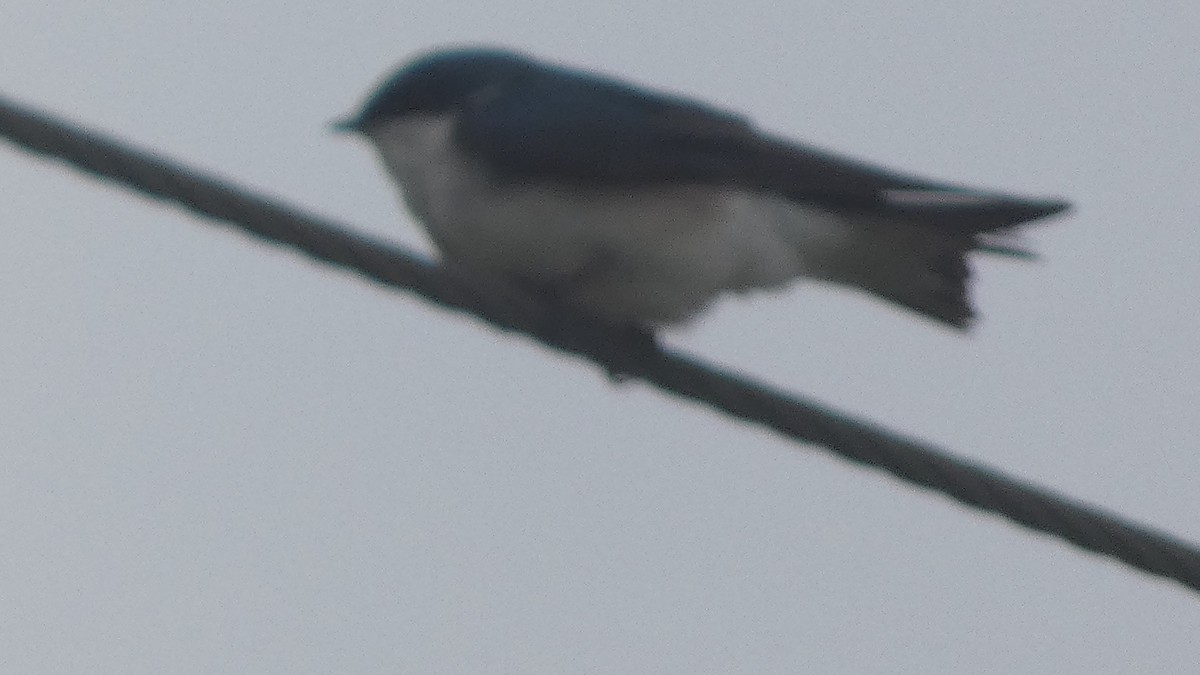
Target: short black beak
point(348, 125)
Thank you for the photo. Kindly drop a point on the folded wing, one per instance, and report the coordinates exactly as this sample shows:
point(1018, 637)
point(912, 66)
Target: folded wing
point(569, 126)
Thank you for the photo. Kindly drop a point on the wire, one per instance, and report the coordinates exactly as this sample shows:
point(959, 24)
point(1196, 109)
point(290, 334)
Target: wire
point(622, 352)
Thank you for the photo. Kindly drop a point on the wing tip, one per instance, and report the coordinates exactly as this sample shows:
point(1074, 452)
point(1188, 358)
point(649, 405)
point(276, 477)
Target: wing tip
point(991, 209)
point(1048, 207)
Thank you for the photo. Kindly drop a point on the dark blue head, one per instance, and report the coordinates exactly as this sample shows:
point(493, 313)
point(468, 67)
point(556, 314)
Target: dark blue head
point(438, 82)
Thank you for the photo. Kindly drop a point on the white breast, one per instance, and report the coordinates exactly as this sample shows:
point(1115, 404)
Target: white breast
point(647, 256)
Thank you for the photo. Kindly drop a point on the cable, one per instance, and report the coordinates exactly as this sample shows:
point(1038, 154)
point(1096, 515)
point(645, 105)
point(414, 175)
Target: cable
point(622, 352)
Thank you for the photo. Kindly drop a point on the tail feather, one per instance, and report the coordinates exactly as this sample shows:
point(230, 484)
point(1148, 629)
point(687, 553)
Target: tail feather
point(923, 268)
point(923, 263)
point(926, 272)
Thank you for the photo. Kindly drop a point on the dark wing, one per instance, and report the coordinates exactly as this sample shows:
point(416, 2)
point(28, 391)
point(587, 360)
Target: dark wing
point(809, 174)
point(566, 126)
point(578, 128)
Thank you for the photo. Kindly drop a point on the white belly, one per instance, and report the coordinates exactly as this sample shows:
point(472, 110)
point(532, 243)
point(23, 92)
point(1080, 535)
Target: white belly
point(650, 256)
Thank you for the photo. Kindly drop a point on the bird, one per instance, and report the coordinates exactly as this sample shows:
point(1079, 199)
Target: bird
point(639, 207)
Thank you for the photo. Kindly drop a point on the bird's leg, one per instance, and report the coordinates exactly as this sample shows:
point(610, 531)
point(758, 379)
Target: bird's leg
point(623, 344)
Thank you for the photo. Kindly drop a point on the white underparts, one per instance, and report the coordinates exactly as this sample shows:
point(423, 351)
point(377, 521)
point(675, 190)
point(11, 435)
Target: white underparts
point(649, 256)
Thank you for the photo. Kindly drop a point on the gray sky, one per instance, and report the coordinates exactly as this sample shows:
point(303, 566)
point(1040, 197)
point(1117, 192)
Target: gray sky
point(221, 458)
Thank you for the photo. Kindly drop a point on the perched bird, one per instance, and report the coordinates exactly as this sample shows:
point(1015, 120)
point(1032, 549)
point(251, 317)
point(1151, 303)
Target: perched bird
point(640, 207)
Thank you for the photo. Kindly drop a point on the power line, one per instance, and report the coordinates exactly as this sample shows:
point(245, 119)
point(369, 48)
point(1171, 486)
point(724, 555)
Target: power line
point(624, 352)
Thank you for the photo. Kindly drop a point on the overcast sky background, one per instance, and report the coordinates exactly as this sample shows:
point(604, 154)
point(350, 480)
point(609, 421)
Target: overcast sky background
point(220, 457)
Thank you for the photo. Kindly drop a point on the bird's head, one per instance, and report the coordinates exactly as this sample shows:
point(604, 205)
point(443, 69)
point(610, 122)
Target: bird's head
point(436, 83)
